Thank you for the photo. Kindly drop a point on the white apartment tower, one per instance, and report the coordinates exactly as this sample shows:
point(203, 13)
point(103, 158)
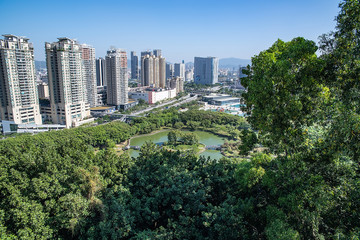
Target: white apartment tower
point(88, 56)
point(67, 82)
point(116, 76)
point(19, 101)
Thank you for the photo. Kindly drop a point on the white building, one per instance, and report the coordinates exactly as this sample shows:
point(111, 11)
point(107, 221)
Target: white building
point(152, 96)
point(67, 82)
point(189, 75)
point(206, 70)
point(116, 77)
point(18, 91)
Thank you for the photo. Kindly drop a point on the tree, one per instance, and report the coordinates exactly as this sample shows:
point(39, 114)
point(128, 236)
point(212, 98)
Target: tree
point(178, 125)
point(172, 138)
point(248, 141)
point(284, 86)
point(190, 138)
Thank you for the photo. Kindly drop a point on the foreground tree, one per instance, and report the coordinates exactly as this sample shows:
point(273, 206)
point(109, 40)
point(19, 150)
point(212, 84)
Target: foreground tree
point(284, 86)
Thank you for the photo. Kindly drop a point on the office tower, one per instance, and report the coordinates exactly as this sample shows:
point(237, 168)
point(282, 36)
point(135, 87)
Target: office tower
point(179, 70)
point(147, 52)
point(116, 76)
point(206, 70)
point(134, 66)
point(18, 91)
point(169, 71)
point(67, 82)
point(157, 52)
point(162, 72)
point(100, 72)
point(89, 71)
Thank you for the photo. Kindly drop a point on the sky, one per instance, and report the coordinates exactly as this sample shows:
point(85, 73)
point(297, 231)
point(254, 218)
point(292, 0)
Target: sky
point(182, 29)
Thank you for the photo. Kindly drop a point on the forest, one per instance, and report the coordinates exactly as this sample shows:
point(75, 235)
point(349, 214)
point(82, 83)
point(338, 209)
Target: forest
point(303, 107)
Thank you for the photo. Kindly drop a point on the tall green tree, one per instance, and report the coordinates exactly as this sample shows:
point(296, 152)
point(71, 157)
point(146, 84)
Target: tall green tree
point(284, 86)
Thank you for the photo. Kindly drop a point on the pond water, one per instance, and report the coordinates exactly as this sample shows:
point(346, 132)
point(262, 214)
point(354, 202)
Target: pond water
point(159, 138)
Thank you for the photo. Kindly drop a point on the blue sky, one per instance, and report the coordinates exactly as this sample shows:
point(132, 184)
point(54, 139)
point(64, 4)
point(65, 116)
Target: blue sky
point(182, 29)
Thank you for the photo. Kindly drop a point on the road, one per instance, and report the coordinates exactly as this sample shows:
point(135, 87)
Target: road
point(182, 100)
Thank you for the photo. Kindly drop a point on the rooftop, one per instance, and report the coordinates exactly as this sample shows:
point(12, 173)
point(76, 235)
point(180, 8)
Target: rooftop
point(226, 99)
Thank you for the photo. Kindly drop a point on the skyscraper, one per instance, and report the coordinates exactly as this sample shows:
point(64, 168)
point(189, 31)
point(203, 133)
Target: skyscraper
point(19, 101)
point(100, 72)
point(134, 66)
point(157, 52)
point(147, 52)
point(88, 56)
point(67, 82)
point(116, 76)
point(206, 70)
point(179, 70)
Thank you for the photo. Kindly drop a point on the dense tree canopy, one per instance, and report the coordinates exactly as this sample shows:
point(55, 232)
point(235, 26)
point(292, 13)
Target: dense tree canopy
point(304, 113)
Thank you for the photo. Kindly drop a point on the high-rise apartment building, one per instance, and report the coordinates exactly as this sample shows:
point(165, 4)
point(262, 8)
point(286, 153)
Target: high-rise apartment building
point(43, 90)
point(179, 70)
point(169, 71)
point(134, 66)
point(19, 101)
point(89, 70)
point(206, 70)
point(153, 71)
point(67, 82)
point(116, 76)
point(162, 72)
point(100, 72)
point(147, 68)
point(176, 82)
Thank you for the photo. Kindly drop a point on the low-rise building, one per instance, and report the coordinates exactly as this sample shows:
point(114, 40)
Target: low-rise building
point(153, 95)
point(9, 127)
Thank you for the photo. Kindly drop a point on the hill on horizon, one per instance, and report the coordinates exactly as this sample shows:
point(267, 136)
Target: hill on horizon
point(233, 62)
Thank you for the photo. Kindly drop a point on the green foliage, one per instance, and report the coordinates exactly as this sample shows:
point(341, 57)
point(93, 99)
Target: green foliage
point(178, 125)
point(284, 86)
point(189, 138)
point(172, 138)
point(248, 141)
point(71, 184)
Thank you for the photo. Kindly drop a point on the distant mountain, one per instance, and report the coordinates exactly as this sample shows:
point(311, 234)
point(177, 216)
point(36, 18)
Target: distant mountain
point(233, 62)
point(40, 65)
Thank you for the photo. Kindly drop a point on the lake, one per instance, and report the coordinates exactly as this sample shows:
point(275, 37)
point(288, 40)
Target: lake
point(159, 138)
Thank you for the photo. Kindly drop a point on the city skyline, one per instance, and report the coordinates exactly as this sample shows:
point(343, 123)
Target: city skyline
point(182, 31)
